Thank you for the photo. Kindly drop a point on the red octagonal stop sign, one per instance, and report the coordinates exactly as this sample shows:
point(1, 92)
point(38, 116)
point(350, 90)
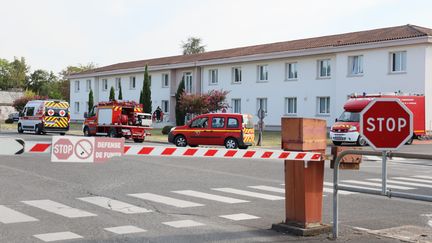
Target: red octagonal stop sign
point(386, 124)
point(63, 148)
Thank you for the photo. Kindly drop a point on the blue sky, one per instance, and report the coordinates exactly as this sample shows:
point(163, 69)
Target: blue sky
point(52, 34)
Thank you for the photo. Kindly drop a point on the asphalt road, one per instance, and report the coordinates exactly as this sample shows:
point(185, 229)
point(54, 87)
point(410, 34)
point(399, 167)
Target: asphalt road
point(88, 201)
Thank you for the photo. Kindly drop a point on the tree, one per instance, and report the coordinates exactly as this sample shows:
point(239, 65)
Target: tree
point(212, 101)
point(193, 46)
point(90, 100)
point(20, 103)
point(18, 72)
point(146, 93)
point(112, 94)
point(120, 95)
point(64, 74)
point(5, 80)
point(179, 112)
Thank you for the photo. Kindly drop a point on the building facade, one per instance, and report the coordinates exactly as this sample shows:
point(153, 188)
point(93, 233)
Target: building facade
point(304, 78)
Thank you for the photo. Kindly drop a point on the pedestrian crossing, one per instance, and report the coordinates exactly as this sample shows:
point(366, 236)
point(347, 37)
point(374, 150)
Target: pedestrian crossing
point(180, 199)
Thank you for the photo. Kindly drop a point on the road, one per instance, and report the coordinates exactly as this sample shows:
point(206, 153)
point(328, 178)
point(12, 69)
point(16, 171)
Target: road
point(152, 199)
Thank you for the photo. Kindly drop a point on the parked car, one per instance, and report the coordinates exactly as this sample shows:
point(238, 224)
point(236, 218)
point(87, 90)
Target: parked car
point(229, 130)
point(14, 116)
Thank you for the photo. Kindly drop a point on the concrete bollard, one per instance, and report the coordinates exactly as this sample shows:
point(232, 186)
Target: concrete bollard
point(303, 179)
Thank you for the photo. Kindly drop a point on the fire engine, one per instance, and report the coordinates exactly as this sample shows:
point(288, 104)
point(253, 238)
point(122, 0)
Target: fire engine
point(347, 126)
point(118, 119)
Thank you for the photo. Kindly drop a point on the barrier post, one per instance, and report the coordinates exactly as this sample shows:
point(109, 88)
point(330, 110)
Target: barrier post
point(303, 179)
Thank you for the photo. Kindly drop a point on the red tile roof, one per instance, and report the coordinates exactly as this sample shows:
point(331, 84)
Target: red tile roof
point(360, 37)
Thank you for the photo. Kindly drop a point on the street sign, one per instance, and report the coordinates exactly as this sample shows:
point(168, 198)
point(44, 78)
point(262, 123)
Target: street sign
point(62, 149)
point(11, 146)
point(386, 124)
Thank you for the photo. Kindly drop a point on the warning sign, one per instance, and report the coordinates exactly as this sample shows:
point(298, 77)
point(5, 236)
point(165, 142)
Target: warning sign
point(85, 149)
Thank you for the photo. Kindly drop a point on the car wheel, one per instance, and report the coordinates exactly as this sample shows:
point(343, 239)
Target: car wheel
point(20, 129)
point(138, 140)
point(112, 133)
point(86, 131)
point(38, 130)
point(180, 141)
point(337, 143)
point(410, 141)
point(361, 141)
point(231, 143)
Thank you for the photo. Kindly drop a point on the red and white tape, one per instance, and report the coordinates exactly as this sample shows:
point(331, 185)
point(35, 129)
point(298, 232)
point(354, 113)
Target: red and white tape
point(198, 152)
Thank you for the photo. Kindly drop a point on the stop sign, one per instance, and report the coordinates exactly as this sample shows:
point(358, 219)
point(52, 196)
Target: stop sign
point(63, 148)
point(386, 124)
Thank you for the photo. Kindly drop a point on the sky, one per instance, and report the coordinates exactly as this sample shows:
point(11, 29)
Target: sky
point(53, 34)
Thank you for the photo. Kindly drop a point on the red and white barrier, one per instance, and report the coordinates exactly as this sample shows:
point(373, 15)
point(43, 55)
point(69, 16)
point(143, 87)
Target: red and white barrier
point(162, 151)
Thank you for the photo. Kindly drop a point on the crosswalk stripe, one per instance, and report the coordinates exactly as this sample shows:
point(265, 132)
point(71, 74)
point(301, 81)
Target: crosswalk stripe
point(210, 196)
point(404, 183)
point(424, 177)
point(127, 229)
point(9, 216)
point(412, 179)
point(249, 193)
point(330, 190)
point(239, 216)
point(269, 189)
point(183, 223)
point(377, 184)
point(114, 205)
point(67, 235)
point(58, 208)
point(165, 200)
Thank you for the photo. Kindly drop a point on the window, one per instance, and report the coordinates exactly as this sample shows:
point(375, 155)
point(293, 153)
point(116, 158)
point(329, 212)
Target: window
point(398, 61)
point(291, 105)
point(218, 122)
point(236, 105)
point(323, 105)
point(104, 84)
point(232, 123)
point(262, 104)
point(291, 71)
point(262, 72)
point(165, 80)
point(77, 107)
point(77, 86)
point(165, 106)
point(355, 65)
point(30, 111)
point(237, 75)
point(200, 123)
point(88, 85)
point(188, 82)
point(324, 70)
point(132, 82)
point(213, 76)
point(117, 83)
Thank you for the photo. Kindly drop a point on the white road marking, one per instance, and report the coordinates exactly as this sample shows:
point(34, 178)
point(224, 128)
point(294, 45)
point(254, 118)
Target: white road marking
point(9, 216)
point(239, 216)
point(58, 208)
point(330, 190)
point(210, 196)
point(377, 184)
point(50, 237)
point(114, 205)
point(183, 223)
point(269, 189)
point(249, 193)
point(165, 200)
point(424, 177)
point(412, 179)
point(127, 229)
point(404, 183)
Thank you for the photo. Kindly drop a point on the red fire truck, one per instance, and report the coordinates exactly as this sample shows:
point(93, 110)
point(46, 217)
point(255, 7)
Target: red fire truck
point(347, 126)
point(118, 119)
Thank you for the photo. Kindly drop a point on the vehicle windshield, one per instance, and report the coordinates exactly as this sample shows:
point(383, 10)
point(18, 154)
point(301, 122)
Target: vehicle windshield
point(349, 117)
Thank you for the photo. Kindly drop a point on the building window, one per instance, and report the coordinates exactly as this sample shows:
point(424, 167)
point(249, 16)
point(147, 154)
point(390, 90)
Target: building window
point(355, 64)
point(165, 80)
point(188, 82)
point(236, 105)
point(77, 86)
point(398, 61)
point(105, 84)
point(262, 104)
point(77, 107)
point(262, 72)
point(324, 70)
point(291, 106)
point(88, 85)
point(132, 82)
point(117, 83)
point(237, 75)
point(213, 76)
point(165, 106)
point(323, 104)
point(291, 71)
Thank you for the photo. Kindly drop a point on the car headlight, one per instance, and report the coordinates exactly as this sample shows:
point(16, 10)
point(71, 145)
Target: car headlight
point(172, 129)
point(353, 129)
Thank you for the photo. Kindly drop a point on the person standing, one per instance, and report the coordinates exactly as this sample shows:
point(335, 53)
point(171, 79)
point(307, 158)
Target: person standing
point(158, 114)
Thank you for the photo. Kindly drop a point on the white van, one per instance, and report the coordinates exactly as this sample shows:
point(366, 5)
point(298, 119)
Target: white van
point(42, 116)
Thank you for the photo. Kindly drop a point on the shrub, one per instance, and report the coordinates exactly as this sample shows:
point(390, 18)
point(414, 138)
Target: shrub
point(166, 129)
point(9, 121)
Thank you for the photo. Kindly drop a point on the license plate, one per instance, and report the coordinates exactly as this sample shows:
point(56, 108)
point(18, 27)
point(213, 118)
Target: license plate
point(339, 138)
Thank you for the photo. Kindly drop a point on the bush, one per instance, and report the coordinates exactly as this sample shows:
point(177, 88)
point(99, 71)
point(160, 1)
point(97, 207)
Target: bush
point(166, 129)
point(9, 121)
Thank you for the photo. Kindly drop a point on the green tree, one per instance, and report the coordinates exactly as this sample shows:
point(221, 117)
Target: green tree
point(64, 77)
point(112, 94)
point(5, 80)
point(120, 95)
point(193, 46)
point(179, 112)
point(18, 72)
point(42, 82)
point(90, 100)
point(146, 93)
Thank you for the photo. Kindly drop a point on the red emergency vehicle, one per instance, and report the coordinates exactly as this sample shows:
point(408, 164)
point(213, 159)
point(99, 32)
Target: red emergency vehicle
point(118, 119)
point(347, 126)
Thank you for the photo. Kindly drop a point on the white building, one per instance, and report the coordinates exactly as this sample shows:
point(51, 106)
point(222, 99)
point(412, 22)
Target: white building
point(305, 78)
